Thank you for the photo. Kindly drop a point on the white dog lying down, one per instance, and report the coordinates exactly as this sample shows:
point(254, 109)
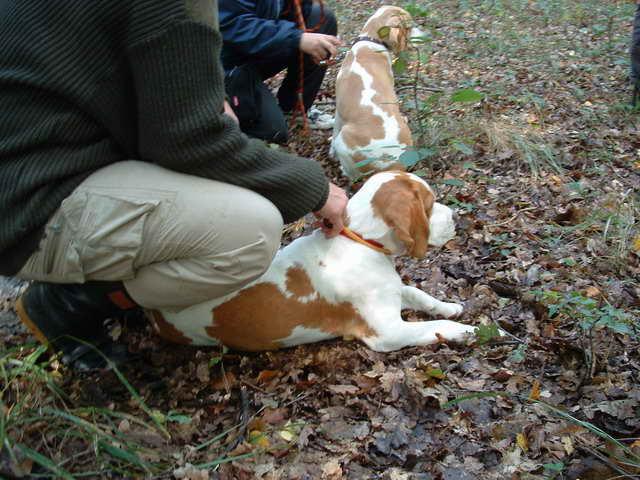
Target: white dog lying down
point(319, 288)
point(370, 133)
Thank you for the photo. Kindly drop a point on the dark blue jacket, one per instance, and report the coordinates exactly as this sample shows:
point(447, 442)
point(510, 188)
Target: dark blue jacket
point(258, 31)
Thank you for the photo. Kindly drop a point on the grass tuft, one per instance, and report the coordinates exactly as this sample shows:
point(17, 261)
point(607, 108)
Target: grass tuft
point(43, 435)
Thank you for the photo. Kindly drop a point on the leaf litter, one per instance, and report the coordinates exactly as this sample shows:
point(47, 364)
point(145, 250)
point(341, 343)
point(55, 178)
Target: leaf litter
point(546, 249)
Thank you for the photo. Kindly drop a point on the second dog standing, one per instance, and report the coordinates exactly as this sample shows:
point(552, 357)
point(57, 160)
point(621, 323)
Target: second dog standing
point(370, 132)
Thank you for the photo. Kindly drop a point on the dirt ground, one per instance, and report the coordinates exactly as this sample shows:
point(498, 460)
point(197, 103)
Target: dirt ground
point(544, 173)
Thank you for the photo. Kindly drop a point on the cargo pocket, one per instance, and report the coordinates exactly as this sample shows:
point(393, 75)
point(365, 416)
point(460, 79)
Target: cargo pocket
point(54, 260)
point(107, 232)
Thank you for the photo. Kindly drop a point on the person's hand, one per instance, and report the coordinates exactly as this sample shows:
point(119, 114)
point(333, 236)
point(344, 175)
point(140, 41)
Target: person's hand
point(229, 111)
point(319, 46)
point(331, 215)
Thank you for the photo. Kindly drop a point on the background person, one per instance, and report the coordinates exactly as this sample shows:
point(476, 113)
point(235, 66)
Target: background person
point(635, 55)
point(262, 38)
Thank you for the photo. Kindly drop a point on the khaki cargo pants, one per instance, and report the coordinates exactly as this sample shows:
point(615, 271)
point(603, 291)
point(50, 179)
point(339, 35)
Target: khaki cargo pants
point(175, 240)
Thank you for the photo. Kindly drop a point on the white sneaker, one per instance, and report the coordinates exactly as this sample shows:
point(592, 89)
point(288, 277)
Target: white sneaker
point(319, 120)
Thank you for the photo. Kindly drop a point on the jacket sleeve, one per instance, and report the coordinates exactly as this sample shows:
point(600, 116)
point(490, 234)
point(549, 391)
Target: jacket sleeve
point(178, 83)
point(247, 34)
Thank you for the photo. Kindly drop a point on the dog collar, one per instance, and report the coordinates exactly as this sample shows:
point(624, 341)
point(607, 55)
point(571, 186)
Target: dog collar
point(364, 38)
point(377, 246)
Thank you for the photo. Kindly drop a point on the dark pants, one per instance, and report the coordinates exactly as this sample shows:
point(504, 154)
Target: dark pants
point(267, 120)
point(635, 53)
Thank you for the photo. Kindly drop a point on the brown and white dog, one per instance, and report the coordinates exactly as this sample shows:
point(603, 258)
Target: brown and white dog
point(347, 286)
point(369, 129)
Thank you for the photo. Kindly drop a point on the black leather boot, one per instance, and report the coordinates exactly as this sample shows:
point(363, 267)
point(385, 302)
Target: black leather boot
point(57, 314)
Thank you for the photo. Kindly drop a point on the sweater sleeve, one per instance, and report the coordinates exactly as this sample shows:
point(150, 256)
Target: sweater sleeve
point(178, 81)
point(249, 35)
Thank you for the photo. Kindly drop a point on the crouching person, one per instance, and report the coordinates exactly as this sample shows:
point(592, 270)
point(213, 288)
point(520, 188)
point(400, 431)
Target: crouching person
point(263, 38)
point(123, 182)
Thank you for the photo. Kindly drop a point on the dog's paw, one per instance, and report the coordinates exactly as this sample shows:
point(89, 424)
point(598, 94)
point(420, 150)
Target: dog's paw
point(454, 331)
point(451, 310)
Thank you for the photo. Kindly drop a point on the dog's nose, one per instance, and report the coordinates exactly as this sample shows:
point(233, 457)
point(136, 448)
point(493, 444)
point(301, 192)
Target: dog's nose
point(417, 36)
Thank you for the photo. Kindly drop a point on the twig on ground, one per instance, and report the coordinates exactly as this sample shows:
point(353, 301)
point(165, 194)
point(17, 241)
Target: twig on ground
point(255, 387)
point(502, 330)
point(243, 420)
point(297, 399)
point(507, 222)
point(419, 87)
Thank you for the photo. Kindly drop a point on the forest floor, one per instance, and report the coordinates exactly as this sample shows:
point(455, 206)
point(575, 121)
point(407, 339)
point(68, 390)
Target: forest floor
point(543, 170)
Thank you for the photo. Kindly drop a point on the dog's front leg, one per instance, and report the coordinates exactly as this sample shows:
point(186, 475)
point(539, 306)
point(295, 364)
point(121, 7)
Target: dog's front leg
point(415, 299)
point(398, 334)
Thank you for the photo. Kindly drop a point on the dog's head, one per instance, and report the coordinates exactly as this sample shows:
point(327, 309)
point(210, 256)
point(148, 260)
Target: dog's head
point(392, 26)
point(398, 209)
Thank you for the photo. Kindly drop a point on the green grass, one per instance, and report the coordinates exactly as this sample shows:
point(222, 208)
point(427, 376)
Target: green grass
point(44, 435)
point(554, 40)
point(37, 420)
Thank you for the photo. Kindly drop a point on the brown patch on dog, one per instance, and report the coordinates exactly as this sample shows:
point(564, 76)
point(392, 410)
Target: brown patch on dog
point(258, 317)
point(298, 282)
point(405, 134)
point(406, 205)
point(402, 35)
point(365, 169)
point(358, 157)
point(371, 167)
point(387, 100)
point(383, 83)
point(361, 125)
point(165, 329)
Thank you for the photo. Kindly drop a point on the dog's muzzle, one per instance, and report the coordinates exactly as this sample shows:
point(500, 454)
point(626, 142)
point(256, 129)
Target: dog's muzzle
point(417, 37)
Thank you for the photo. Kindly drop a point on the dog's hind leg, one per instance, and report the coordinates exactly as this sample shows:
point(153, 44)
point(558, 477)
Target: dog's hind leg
point(400, 334)
point(415, 299)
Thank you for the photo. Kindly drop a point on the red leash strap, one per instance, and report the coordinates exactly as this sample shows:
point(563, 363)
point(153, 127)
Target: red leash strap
point(322, 17)
point(373, 244)
point(299, 105)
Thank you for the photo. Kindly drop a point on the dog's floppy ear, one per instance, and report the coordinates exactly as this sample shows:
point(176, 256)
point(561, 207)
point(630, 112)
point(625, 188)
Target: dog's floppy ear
point(399, 35)
point(394, 27)
point(405, 206)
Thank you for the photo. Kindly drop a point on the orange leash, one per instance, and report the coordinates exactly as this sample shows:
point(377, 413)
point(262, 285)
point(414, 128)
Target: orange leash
point(374, 245)
point(299, 106)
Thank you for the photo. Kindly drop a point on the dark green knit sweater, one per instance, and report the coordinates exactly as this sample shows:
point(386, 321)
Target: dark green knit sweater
point(84, 84)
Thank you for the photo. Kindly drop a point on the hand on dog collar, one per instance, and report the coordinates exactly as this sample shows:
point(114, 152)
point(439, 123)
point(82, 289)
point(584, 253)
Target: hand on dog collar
point(329, 61)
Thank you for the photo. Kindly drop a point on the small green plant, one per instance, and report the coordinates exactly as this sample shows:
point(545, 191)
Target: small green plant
point(504, 244)
point(464, 206)
point(590, 313)
point(519, 354)
point(467, 95)
point(416, 10)
point(486, 333)
point(216, 359)
point(552, 470)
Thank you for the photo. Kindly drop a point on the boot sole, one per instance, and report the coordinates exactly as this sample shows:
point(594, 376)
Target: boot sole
point(27, 322)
